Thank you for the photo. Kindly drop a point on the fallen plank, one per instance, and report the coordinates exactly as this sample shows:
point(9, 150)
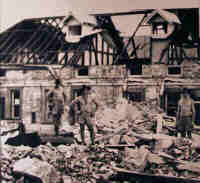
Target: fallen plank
point(195, 130)
point(57, 140)
point(27, 177)
point(139, 130)
point(117, 132)
point(120, 146)
point(29, 139)
point(190, 166)
point(9, 131)
point(154, 178)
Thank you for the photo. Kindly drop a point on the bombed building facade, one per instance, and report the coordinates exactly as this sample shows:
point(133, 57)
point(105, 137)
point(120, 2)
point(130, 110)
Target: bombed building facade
point(78, 51)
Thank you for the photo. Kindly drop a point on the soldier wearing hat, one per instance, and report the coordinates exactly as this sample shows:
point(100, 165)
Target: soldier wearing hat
point(185, 114)
point(85, 111)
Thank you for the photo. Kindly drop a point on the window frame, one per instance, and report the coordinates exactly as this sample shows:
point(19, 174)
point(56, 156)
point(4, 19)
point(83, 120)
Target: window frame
point(3, 73)
point(46, 120)
point(136, 91)
point(71, 31)
point(175, 75)
point(8, 113)
point(158, 27)
point(132, 67)
point(13, 105)
point(2, 107)
point(82, 76)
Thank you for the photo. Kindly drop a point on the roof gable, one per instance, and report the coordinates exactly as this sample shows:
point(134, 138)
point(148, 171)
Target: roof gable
point(82, 19)
point(166, 15)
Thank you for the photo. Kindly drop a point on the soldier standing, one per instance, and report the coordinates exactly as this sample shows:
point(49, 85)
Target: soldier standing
point(85, 112)
point(185, 115)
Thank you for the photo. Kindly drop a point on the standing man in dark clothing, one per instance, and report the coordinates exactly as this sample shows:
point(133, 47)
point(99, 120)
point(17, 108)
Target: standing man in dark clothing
point(21, 128)
point(85, 111)
point(185, 115)
point(57, 98)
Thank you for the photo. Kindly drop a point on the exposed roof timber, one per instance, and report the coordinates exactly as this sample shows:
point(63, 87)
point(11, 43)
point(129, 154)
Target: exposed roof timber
point(130, 40)
point(168, 16)
point(136, 12)
point(132, 12)
point(42, 37)
point(45, 18)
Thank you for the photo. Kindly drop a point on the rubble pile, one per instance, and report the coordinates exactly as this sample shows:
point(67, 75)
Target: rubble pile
point(126, 139)
point(6, 170)
point(74, 163)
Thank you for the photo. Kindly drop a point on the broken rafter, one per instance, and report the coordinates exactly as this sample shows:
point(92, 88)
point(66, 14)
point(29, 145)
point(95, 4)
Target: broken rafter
point(132, 12)
point(134, 48)
point(35, 35)
point(44, 50)
point(150, 177)
point(9, 37)
point(130, 39)
point(46, 18)
point(9, 48)
point(107, 55)
point(47, 36)
point(64, 57)
point(41, 34)
point(95, 53)
point(49, 43)
point(102, 56)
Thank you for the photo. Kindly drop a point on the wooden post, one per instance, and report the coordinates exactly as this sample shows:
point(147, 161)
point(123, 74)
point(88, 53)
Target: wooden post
point(102, 49)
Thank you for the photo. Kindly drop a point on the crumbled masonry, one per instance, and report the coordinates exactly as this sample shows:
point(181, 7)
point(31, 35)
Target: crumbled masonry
point(125, 138)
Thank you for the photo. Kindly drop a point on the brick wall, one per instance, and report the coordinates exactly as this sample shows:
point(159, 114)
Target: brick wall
point(106, 81)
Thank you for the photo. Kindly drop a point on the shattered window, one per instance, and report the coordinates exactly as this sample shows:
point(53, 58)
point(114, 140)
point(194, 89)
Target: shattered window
point(15, 104)
point(2, 72)
point(2, 108)
point(137, 96)
point(172, 103)
point(76, 92)
point(75, 30)
point(175, 70)
point(159, 28)
point(83, 71)
point(136, 69)
point(49, 104)
point(33, 117)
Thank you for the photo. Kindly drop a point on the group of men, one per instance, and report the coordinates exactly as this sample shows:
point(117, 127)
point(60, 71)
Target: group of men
point(81, 109)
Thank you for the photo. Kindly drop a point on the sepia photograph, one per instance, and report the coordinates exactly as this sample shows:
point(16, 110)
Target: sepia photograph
point(99, 91)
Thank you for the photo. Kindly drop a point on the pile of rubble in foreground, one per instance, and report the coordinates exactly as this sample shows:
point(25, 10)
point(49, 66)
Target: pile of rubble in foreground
point(125, 141)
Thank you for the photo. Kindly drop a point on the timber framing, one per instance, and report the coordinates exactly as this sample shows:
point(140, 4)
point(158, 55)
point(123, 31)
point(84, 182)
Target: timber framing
point(41, 41)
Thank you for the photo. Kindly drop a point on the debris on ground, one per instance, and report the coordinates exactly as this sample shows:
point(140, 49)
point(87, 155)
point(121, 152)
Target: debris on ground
point(127, 137)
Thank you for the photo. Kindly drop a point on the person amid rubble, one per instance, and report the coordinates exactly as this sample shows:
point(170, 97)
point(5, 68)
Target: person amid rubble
point(21, 128)
point(57, 99)
point(185, 114)
point(85, 111)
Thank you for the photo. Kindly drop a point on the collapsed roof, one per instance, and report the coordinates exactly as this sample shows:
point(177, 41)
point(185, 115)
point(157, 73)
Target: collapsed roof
point(166, 15)
point(41, 40)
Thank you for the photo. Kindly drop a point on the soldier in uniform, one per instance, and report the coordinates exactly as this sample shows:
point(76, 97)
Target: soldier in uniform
point(185, 115)
point(85, 111)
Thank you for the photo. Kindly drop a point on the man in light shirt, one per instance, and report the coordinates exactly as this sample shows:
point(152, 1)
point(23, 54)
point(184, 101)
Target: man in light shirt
point(185, 115)
point(57, 99)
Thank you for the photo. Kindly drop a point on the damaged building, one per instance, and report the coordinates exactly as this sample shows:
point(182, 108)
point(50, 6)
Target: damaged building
point(89, 50)
point(133, 79)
